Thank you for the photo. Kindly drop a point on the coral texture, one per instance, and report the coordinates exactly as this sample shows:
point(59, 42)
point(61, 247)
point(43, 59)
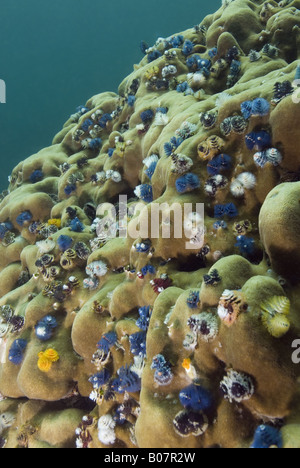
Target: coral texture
point(113, 336)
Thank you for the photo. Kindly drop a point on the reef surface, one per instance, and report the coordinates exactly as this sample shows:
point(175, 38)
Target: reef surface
point(113, 336)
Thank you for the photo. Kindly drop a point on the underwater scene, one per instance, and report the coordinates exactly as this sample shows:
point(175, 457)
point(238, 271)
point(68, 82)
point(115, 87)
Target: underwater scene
point(149, 225)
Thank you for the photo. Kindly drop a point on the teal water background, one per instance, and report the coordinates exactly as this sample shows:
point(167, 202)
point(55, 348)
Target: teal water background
point(54, 55)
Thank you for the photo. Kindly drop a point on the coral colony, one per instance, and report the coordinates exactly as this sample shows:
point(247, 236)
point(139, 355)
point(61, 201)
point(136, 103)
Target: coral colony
point(107, 328)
